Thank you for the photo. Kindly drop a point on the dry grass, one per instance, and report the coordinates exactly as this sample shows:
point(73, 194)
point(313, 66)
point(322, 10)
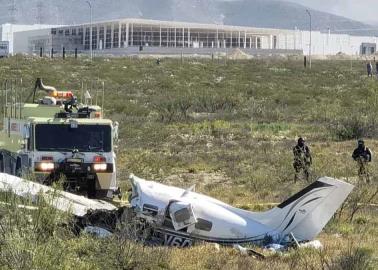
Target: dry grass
point(229, 129)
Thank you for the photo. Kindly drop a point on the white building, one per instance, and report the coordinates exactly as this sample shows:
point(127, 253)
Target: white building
point(127, 36)
point(7, 32)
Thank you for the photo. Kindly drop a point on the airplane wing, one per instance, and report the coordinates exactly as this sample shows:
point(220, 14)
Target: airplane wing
point(61, 200)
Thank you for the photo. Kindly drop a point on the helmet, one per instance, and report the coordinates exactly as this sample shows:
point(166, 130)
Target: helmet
point(360, 142)
point(301, 140)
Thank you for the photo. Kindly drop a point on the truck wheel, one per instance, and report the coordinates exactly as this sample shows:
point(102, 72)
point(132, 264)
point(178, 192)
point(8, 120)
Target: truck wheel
point(1, 163)
point(18, 170)
point(91, 186)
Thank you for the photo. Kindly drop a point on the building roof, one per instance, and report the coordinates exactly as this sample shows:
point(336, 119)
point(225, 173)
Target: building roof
point(177, 24)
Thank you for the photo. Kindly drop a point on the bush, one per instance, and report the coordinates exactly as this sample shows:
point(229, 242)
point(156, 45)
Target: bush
point(354, 259)
point(353, 127)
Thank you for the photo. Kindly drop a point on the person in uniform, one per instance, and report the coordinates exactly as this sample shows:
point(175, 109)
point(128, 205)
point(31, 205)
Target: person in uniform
point(362, 155)
point(302, 159)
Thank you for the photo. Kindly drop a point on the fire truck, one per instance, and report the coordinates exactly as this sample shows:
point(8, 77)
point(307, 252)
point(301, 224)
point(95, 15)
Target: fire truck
point(56, 138)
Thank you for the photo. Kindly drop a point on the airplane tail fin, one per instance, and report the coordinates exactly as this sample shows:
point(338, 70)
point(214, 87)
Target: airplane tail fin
point(306, 213)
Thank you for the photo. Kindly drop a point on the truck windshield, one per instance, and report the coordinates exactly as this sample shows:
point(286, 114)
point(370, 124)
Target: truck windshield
point(85, 138)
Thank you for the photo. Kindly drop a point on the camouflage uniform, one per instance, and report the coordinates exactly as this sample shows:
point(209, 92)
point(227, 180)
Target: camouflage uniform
point(362, 155)
point(302, 159)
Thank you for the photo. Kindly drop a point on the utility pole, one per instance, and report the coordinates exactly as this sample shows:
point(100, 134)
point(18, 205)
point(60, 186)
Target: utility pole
point(39, 12)
point(90, 34)
point(309, 14)
point(12, 11)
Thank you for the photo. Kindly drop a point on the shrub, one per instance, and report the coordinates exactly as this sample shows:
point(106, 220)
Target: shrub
point(354, 259)
point(353, 127)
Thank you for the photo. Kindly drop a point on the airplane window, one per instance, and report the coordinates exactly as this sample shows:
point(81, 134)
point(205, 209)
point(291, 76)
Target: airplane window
point(203, 225)
point(182, 215)
point(152, 209)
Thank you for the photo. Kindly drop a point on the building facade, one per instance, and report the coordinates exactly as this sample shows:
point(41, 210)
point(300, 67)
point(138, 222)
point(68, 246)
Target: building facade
point(4, 49)
point(7, 32)
point(127, 36)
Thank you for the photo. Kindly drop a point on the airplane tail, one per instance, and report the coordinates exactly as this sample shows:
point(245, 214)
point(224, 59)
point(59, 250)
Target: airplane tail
point(306, 213)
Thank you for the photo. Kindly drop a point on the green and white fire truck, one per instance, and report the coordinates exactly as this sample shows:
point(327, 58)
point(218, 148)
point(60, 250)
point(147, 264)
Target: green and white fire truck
point(57, 139)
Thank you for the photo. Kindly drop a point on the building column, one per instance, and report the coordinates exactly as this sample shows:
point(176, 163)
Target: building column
point(119, 34)
point(217, 38)
point(168, 37)
point(189, 37)
point(183, 37)
point(127, 35)
point(256, 47)
point(160, 36)
point(98, 37)
point(84, 35)
point(112, 36)
point(175, 37)
point(239, 36)
point(271, 42)
point(245, 40)
point(132, 34)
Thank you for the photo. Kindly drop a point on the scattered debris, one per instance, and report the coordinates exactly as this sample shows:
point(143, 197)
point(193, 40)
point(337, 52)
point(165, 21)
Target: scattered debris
point(249, 252)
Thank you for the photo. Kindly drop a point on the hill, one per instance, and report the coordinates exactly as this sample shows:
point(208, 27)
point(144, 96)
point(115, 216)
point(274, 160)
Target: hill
point(260, 13)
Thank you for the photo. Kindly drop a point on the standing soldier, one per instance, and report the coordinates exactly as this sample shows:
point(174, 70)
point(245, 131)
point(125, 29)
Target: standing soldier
point(362, 155)
point(302, 159)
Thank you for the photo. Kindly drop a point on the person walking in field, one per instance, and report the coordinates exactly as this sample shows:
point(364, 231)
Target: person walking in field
point(362, 155)
point(302, 159)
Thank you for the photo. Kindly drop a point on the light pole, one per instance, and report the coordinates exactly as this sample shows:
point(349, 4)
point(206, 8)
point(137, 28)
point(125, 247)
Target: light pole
point(90, 31)
point(309, 14)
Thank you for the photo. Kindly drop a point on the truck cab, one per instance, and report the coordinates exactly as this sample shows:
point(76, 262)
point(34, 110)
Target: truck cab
point(48, 143)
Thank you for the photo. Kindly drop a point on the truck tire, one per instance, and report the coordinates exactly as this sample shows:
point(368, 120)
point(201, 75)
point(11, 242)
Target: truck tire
point(91, 186)
point(1, 163)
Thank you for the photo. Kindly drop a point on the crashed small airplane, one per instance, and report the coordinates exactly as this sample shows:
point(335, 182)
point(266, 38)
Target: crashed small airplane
point(181, 217)
point(172, 216)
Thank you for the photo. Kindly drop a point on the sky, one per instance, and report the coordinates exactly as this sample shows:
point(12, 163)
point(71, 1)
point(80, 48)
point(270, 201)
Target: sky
point(361, 10)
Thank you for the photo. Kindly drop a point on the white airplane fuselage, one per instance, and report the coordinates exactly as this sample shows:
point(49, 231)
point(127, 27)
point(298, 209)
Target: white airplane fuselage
point(181, 216)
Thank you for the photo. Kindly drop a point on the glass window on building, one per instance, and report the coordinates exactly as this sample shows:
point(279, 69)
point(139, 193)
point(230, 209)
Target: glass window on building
point(67, 32)
point(137, 35)
point(179, 37)
point(221, 39)
point(86, 41)
point(108, 42)
point(123, 35)
point(186, 38)
point(60, 31)
point(148, 37)
point(274, 42)
point(258, 43)
point(73, 31)
point(248, 42)
point(94, 38)
point(81, 34)
point(53, 31)
point(101, 44)
point(164, 37)
point(253, 42)
point(116, 36)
